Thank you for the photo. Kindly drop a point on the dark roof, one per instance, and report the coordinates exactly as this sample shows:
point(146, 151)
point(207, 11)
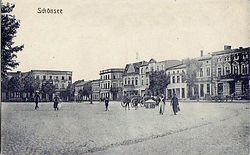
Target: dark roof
point(136, 66)
point(77, 82)
point(227, 51)
point(152, 60)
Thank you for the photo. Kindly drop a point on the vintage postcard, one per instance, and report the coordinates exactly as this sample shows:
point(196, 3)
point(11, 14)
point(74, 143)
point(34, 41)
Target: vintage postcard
point(160, 77)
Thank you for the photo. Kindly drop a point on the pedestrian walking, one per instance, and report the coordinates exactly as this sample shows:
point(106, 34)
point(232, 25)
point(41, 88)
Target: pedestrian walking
point(126, 99)
point(106, 101)
point(161, 105)
point(175, 104)
point(37, 99)
point(56, 102)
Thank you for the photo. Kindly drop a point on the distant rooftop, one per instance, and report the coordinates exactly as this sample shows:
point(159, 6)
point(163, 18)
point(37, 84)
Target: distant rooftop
point(48, 70)
point(111, 70)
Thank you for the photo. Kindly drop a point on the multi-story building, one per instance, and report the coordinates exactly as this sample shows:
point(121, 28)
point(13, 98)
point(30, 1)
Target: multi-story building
point(111, 83)
point(204, 80)
point(78, 93)
point(177, 84)
point(152, 66)
point(131, 77)
point(95, 89)
point(230, 72)
point(60, 80)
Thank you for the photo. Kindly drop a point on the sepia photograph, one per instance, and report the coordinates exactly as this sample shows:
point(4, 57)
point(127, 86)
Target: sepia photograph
point(122, 77)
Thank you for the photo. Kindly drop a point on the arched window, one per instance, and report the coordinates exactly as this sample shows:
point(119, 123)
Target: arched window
point(136, 81)
point(141, 70)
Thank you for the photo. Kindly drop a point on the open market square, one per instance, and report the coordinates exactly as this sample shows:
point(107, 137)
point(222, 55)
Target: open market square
point(83, 128)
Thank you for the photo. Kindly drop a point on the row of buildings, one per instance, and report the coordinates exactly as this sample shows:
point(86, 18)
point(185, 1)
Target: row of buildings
point(221, 73)
point(47, 80)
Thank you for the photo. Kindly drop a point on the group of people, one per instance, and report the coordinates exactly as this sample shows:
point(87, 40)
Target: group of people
point(174, 103)
point(56, 100)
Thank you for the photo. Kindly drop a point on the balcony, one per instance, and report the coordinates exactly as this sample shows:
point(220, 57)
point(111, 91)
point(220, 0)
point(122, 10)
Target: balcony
point(115, 89)
point(232, 77)
point(129, 86)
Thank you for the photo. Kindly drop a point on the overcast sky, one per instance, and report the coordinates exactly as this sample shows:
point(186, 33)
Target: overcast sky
point(92, 35)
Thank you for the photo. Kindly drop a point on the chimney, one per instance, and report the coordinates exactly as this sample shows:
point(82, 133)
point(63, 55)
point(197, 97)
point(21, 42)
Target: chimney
point(201, 53)
point(227, 47)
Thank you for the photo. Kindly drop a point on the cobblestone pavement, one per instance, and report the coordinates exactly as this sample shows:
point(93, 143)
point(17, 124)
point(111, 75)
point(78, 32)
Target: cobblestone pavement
point(200, 128)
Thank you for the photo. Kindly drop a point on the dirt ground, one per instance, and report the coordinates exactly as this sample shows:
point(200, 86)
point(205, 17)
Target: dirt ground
point(82, 128)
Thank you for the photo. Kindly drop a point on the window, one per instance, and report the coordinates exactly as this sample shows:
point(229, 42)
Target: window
point(70, 78)
point(173, 79)
point(201, 72)
point(227, 70)
point(108, 85)
point(136, 81)
point(173, 72)
point(141, 70)
point(113, 76)
point(132, 81)
point(128, 81)
point(142, 82)
point(125, 81)
point(244, 69)
point(177, 71)
point(50, 77)
point(183, 92)
point(236, 68)
point(208, 89)
point(208, 71)
point(178, 79)
point(62, 77)
point(202, 90)
point(236, 57)
point(219, 71)
point(56, 77)
point(44, 77)
point(37, 77)
point(146, 81)
point(152, 69)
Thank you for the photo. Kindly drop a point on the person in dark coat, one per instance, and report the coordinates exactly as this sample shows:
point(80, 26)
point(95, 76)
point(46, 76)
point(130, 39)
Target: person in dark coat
point(37, 98)
point(106, 101)
point(56, 102)
point(175, 103)
point(126, 100)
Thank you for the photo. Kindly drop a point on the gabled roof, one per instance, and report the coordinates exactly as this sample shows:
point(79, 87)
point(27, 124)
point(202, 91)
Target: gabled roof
point(152, 60)
point(135, 66)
